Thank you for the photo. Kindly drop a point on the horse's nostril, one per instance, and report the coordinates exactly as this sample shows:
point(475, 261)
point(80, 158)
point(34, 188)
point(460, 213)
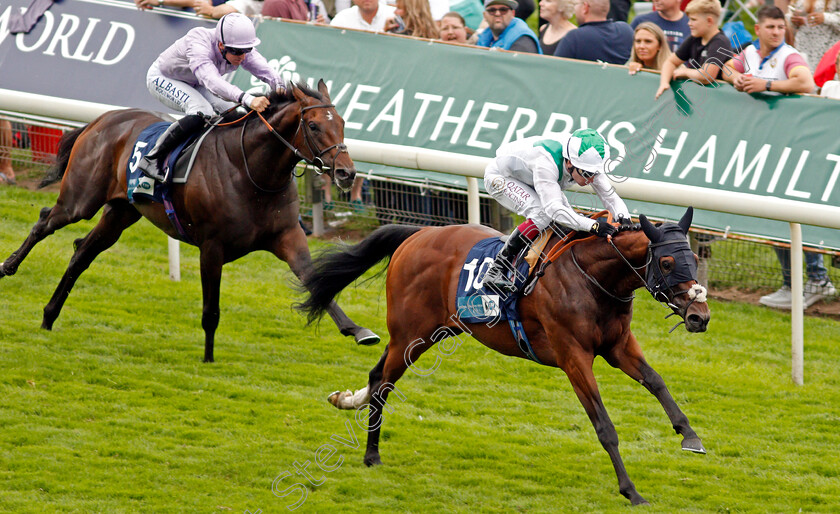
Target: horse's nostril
point(696, 321)
point(342, 174)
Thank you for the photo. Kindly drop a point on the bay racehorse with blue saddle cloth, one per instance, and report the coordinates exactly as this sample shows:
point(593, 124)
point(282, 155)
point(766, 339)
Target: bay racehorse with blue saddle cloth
point(578, 309)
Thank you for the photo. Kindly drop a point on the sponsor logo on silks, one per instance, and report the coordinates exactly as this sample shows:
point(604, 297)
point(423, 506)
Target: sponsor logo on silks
point(171, 90)
point(478, 306)
point(498, 184)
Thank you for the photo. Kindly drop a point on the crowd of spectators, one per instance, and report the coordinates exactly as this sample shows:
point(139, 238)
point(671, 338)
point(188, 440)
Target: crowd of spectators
point(795, 51)
point(679, 38)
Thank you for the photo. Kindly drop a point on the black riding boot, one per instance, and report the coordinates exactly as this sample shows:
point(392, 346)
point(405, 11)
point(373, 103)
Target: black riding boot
point(152, 163)
point(495, 276)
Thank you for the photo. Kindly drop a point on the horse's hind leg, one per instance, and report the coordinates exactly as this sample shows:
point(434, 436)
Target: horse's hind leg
point(578, 367)
point(116, 217)
point(628, 357)
point(398, 357)
point(293, 249)
point(48, 222)
point(72, 206)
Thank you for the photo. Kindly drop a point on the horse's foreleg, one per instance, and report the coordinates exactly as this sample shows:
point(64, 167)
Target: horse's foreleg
point(579, 371)
point(293, 249)
point(629, 359)
point(115, 219)
point(212, 259)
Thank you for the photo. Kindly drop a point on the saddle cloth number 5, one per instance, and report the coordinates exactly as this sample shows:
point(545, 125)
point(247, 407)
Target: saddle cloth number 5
point(136, 155)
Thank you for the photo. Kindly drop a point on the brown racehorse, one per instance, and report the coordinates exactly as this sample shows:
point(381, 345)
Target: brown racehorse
point(581, 308)
point(240, 196)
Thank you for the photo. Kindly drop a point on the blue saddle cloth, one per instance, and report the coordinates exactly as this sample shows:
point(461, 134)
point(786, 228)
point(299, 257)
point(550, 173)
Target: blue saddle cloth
point(474, 302)
point(139, 185)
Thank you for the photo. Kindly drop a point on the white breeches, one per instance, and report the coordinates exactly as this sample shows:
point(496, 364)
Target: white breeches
point(515, 195)
point(183, 97)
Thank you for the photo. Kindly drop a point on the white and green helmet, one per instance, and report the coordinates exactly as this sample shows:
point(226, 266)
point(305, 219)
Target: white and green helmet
point(587, 150)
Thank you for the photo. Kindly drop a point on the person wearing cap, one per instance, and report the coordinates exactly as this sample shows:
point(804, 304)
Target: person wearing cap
point(505, 31)
point(529, 176)
point(187, 77)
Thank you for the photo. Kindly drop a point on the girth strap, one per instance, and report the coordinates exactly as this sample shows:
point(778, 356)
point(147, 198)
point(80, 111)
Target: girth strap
point(522, 340)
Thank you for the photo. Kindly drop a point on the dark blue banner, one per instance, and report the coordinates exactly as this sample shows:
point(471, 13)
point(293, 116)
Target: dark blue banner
point(91, 50)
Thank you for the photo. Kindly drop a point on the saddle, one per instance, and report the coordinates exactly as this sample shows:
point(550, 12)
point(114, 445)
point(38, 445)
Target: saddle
point(475, 304)
point(179, 161)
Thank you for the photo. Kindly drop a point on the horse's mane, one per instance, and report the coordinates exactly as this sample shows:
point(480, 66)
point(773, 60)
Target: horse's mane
point(278, 101)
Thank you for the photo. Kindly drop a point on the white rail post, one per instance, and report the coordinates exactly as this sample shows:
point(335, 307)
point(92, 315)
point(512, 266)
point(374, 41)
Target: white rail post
point(314, 184)
point(473, 201)
point(174, 259)
point(797, 337)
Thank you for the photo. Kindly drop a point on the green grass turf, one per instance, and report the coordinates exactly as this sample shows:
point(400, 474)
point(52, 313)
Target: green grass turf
point(113, 411)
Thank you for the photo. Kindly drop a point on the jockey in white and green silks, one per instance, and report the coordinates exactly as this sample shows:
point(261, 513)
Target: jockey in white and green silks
point(529, 176)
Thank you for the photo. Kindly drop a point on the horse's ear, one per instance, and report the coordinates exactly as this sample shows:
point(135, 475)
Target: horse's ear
point(650, 231)
point(298, 94)
point(685, 222)
point(322, 88)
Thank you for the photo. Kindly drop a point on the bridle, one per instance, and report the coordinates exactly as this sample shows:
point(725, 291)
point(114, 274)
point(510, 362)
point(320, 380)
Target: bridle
point(660, 287)
point(315, 161)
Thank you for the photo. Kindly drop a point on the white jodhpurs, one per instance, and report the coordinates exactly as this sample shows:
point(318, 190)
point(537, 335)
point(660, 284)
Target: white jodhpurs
point(183, 97)
point(515, 195)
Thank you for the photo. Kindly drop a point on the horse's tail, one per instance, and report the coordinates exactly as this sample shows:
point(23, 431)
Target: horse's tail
point(336, 268)
point(65, 146)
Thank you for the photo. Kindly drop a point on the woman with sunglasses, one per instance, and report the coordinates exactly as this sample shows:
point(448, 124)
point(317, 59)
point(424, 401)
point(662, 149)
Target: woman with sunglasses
point(529, 176)
point(187, 77)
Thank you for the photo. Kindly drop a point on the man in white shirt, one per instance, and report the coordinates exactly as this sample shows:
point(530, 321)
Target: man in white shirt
point(364, 15)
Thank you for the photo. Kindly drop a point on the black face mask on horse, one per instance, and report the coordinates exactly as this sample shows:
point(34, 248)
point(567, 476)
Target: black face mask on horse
point(671, 262)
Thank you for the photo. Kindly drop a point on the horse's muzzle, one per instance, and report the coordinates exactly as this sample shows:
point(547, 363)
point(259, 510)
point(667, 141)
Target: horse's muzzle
point(696, 323)
point(344, 177)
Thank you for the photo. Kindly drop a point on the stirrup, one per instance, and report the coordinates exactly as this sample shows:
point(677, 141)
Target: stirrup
point(150, 169)
point(495, 279)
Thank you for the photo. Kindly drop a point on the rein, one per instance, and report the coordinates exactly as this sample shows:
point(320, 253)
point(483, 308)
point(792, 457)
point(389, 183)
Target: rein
point(559, 249)
point(659, 295)
point(592, 279)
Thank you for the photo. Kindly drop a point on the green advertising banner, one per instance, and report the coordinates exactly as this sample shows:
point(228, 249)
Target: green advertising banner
point(467, 100)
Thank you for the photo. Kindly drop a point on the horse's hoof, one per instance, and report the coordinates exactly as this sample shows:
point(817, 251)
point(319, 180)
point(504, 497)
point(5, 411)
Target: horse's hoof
point(46, 325)
point(693, 445)
point(334, 397)
point(366, 337)
point(639, 501)
point(373, 460)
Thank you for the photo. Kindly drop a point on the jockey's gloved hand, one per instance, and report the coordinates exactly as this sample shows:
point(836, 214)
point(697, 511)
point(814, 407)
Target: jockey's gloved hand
point(624, 222)
point(602, 229)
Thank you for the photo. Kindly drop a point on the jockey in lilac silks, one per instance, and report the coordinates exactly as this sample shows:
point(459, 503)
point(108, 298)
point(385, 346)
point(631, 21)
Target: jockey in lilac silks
point(187, 77)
